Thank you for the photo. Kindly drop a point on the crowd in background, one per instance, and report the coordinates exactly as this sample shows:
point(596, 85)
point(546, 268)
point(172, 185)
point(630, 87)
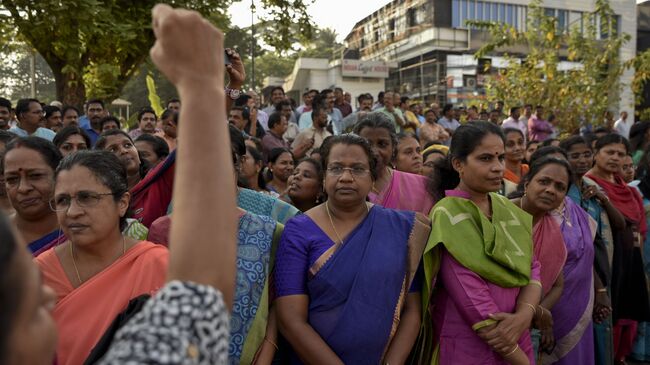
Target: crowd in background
point(387, 232)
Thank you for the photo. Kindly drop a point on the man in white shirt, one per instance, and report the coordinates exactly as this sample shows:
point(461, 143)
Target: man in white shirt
point(29, 114)
point(448, 122)
point(277, 95)
point(623, 126)
point(316, 133)
point(513, 121)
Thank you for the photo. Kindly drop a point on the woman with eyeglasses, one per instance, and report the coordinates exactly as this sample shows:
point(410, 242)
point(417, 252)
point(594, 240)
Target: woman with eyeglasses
point(151, 189)
point(431, 155)
point(28, 165)
point(97, 270)
point(345, 274)
point(201, 269)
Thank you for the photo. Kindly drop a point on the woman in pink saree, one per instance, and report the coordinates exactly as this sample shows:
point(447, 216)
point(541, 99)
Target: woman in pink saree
point(481, 304)
point(392, 189)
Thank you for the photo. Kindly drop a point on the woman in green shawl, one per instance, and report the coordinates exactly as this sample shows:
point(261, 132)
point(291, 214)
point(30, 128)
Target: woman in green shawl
point(487, 288)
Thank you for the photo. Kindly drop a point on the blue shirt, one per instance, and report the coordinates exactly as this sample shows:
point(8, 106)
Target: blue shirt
point(40, 132)
point(83, 122)
point(94, 136)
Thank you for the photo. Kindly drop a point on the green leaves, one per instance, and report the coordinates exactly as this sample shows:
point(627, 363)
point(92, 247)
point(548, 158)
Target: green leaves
point(576, 95)
point(105, 41)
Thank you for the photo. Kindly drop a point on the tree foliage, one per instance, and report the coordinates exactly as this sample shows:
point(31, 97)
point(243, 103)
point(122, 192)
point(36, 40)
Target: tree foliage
point(15, 75)
point(641, 64)
point(270, 61)
point(576, 96)
point(94, 47)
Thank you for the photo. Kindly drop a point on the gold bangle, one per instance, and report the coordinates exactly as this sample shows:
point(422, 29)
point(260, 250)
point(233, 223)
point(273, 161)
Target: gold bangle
point(601, 290)
point(512, 352)
point(271, 342)
point(541, 309)
point(531, 307)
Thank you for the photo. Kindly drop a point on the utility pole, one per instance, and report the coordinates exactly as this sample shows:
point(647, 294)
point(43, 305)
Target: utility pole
point(32, 73)
point(252, 44)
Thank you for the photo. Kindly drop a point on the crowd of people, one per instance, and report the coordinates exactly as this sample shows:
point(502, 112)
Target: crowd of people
point(382, 233)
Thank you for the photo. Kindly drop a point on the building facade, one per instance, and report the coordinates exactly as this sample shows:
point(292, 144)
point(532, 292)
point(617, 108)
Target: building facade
point(433, 47)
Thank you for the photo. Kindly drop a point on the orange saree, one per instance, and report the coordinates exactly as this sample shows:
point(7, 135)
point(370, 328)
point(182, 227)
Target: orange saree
point(511, 176)
point(83, 314)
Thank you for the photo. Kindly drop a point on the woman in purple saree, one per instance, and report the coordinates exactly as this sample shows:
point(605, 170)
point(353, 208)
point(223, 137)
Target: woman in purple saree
point(572, 314)
point(344, 285)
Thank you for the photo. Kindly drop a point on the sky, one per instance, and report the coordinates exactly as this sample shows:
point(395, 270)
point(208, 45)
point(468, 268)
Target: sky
point(340, 15)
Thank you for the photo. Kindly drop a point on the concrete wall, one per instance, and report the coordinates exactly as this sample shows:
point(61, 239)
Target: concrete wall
point(320, 74)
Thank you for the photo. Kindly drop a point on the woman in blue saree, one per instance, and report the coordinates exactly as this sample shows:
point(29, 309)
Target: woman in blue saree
point(344, 270)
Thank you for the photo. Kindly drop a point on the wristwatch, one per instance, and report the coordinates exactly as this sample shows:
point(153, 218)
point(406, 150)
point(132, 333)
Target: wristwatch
point(234, 94)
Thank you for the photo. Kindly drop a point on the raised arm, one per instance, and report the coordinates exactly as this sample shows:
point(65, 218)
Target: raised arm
point(202, 241)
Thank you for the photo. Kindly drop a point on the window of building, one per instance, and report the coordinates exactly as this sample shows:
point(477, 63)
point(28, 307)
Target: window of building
point(495, 12)
point(472, 10)
point(479, 10)
point(455, 13)
point(510, 19)
point(410, 15)
point(549, 12)
point(575, 21)
point(562, 21)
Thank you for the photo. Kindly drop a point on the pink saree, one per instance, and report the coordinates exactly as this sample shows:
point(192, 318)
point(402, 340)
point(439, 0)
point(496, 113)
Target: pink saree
point(405, 192)
point(550, 250)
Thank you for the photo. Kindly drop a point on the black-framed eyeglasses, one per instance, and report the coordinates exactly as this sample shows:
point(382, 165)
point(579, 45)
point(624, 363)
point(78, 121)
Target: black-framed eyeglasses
point(354, 171)
point(83, 199)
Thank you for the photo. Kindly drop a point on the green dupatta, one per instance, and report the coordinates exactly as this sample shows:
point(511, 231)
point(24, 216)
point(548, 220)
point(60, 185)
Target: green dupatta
point(500, 251)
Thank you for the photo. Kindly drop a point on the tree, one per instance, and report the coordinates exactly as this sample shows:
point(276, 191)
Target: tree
point(94, 46)
point(323, 44)
point(641, 64)
point(579, 96)
point(15, 75)
point(270, 61)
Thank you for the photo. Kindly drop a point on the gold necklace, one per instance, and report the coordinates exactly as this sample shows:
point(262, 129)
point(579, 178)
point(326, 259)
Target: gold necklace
point(329, 215)
point(74, 263)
